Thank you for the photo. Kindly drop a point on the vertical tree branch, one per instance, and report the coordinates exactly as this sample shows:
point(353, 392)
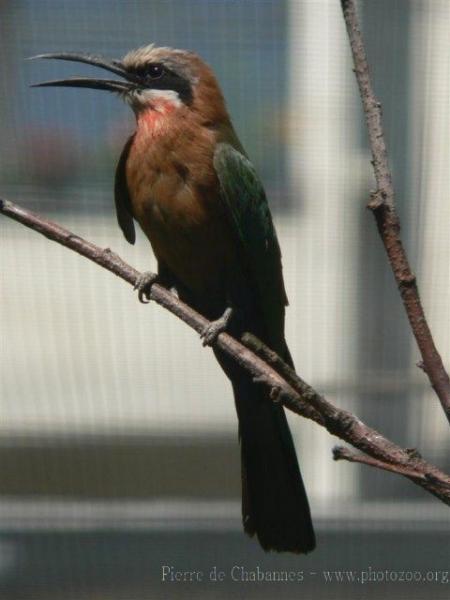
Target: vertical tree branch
point(382, 204)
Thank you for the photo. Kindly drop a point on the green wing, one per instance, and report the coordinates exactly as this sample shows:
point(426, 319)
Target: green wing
point(122, 196)
point(245, 200)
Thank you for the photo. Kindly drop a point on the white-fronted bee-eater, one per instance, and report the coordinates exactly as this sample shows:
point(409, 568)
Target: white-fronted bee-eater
point(185, 178)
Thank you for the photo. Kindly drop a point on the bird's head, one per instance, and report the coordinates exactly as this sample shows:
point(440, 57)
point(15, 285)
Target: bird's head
point(153, 79)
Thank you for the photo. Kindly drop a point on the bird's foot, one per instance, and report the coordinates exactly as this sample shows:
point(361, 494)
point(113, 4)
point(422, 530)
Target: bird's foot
point(144, 284)
point(211, 332)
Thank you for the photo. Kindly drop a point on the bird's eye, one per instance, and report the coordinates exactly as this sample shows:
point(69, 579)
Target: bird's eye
point(155, 71)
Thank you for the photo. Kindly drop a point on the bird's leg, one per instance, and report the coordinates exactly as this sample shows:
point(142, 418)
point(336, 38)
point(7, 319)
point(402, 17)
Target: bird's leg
point(144, 284)
point(145, 281)
point(211, 331)
point(168, 279)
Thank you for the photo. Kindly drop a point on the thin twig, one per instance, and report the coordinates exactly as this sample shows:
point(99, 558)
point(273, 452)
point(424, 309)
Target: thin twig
point(382, 204)
point(306, 402)
point(341, 453)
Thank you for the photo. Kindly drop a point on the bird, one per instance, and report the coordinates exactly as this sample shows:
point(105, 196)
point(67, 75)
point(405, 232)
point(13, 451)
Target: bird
point(186, 179)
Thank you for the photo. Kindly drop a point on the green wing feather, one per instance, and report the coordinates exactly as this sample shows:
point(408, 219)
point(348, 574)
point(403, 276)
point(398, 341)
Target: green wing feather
point(122, 197)
point(243, 195)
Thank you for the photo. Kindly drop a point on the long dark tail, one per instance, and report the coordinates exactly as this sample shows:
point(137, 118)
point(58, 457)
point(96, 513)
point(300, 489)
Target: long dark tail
point(274, 502)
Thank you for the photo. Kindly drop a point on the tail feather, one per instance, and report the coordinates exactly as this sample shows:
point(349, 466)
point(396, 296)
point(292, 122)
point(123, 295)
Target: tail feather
point(274, 502)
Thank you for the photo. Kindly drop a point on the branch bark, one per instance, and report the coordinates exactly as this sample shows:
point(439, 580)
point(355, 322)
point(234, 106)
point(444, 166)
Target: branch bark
point(341, 453)
point(382, 204)
point(266, 367)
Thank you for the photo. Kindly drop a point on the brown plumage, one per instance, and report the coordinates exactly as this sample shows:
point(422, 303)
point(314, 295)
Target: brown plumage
point(173, 192)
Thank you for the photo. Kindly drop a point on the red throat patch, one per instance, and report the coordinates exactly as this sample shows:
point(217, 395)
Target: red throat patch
point(153, 119)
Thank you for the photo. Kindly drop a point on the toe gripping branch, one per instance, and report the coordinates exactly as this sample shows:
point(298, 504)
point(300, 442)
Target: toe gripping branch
point(211, 332)
point(144, 284)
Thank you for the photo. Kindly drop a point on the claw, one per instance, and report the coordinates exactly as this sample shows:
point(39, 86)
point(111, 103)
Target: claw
point(173, 290)
point(215, 328)
point(144, 285)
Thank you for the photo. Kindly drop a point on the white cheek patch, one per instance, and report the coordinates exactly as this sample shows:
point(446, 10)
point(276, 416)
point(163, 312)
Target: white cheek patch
point(156, 99)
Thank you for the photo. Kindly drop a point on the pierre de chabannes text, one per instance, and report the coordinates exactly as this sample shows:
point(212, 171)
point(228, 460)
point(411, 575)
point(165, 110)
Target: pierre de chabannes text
point(241, 574)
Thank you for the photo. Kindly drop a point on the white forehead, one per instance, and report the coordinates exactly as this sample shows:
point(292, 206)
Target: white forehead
point(179, 61)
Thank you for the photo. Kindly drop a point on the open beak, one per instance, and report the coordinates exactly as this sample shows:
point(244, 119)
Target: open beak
point(132, 81)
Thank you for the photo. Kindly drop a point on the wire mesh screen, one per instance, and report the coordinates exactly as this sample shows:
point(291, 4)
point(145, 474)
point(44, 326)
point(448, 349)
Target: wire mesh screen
point(118, 436)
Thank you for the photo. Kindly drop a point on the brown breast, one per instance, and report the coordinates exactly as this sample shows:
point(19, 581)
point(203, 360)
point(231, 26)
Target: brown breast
point(174, 192)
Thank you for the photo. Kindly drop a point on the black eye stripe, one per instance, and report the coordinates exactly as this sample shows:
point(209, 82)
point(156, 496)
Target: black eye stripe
point(151, 71)
point(155, 71)
point(158, 76)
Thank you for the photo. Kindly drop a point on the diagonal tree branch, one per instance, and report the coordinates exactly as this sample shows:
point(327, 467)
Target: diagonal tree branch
point(266, 367)
point(382, 204)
